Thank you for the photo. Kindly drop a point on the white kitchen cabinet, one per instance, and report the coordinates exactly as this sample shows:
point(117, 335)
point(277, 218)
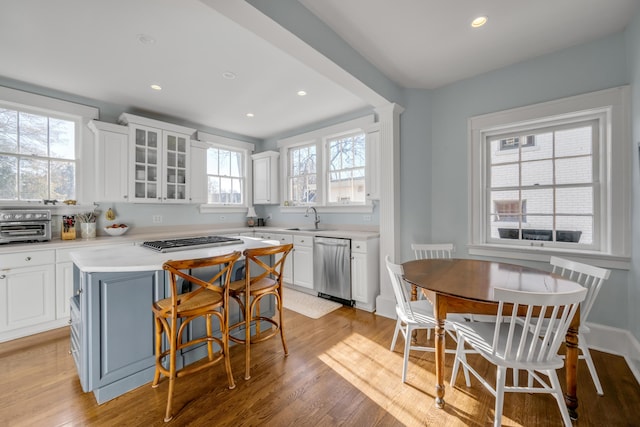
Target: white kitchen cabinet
point(372, 162)
point(365, 283)
point(265, 178)
point(160, 160)
point(111, 161)
point(303, 261)
point(198, 172)
point(27, 292)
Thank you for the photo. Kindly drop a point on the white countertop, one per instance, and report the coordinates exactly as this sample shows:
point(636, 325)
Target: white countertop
point(138, 258)
point(173, 232)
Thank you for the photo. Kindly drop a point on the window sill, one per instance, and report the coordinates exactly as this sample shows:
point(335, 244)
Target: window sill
point(328, 209)
point(222, 209)
point(542, 254)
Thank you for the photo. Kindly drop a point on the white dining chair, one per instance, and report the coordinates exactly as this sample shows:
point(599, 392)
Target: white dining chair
point(411, 315)
point(591, 278)
point(430, 251)
point(518, 341)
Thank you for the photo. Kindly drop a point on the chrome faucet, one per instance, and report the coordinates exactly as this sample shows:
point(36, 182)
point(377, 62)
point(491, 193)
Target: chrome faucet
point(315, 212)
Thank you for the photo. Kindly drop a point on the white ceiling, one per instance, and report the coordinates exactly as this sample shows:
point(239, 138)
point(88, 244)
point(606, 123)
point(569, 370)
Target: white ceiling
point(430, 43)
point(90, 48)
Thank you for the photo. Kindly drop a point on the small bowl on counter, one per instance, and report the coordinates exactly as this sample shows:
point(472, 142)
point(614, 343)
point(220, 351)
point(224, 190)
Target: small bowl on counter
point(116, 229)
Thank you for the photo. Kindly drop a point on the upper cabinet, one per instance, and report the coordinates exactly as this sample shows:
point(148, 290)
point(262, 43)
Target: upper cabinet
point(111, 161)
point(265, 178)
point(198, 172)
point(159, 165)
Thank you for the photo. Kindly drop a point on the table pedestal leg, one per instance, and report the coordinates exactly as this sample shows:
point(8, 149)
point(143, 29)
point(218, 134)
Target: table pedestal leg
point(571, 368)
point(440, 316)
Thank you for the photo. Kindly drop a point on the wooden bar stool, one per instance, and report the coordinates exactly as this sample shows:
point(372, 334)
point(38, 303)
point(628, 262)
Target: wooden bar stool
point(266, 281)
point(173, 315)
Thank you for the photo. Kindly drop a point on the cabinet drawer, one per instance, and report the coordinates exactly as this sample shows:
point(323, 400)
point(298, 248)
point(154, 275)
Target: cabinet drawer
point(27, 259)
point(282, 238)
point(303, 240)
point(359, 246)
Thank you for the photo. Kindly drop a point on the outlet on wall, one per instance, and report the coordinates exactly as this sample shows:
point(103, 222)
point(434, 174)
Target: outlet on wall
point(366, 217)
point(222, 218)
point(157, 219)
point(269, 216)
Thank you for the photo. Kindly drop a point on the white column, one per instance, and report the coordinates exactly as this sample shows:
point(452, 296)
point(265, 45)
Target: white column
point(389, 119)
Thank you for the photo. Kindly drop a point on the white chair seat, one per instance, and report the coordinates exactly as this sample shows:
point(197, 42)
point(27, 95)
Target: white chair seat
point(411, 316)
point(518, 343)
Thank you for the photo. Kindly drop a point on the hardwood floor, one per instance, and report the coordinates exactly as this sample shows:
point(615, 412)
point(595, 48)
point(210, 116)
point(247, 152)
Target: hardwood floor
point(339, 372)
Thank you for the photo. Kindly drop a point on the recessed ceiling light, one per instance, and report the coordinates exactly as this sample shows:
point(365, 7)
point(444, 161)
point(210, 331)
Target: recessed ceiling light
point(479, 21)
point(301, 93)
point(156, 87)
point(249, 115)
point(229, 75)
point(146, 39)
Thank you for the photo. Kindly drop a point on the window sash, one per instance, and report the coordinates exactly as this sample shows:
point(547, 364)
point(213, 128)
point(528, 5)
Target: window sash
point(533, 172)
point(226, 176)
point(37, 155)
point(302, 185)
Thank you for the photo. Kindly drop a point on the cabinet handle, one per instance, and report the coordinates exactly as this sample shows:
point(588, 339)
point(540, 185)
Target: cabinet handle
point(3, 276)
point(28, 258)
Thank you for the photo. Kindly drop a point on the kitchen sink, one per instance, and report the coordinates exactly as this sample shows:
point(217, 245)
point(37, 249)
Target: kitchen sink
point(305, 229)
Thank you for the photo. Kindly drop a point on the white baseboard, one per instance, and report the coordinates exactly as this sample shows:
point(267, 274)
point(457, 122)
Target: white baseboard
point(616, 341)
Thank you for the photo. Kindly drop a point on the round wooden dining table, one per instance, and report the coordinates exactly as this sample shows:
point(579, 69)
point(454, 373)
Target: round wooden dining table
point(467, 286)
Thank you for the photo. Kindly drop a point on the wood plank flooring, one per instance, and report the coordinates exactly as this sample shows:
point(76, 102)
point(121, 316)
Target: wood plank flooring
point(339, 372)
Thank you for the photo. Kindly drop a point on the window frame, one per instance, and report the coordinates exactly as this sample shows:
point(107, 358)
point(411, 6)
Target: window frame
point(328, 171)
point(319, 138)
point(246, 148)
point(80, 114)
point(611, 108)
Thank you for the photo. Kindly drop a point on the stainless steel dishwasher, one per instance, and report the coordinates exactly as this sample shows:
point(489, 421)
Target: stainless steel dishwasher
point(332, 269)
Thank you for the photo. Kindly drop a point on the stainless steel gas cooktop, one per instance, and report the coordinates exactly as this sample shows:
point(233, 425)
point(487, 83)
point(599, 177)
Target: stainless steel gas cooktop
point(190, 243)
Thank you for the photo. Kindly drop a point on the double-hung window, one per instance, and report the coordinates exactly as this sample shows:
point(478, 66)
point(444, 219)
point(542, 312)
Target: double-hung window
point(225, 176)
point(346, 175)
point(552, 177)
point(544, 191)
point(37, 155)
point(302, 177)
point(227, 173)
point(328, 167)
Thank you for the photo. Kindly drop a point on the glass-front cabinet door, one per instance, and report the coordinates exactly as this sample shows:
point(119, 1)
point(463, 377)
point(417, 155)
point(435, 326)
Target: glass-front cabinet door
point(176, 167)
point(147, 147)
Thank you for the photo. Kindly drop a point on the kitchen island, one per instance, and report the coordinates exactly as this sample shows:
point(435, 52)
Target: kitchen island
point(111, 320)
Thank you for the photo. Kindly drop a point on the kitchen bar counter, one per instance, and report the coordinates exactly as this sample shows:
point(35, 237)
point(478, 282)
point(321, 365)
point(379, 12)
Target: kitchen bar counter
point(139, 258)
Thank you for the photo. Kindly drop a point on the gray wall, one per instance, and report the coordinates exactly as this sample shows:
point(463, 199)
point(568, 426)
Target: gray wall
point(633, 60)
point(585, 68)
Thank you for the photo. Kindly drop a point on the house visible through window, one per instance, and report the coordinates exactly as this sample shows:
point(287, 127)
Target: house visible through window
point(37, 156)
point(555, 183)
point(225, 176)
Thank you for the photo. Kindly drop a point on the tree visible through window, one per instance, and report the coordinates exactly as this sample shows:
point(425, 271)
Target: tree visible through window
point(225, 176)
point(346, 183)
point(37, 157)
point(302, 174)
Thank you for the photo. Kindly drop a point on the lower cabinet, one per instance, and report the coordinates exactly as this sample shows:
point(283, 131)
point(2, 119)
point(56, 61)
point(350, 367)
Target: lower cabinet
point(116, 330)
point(365, 276)
point(27, 293)
point(303, 261)
point(27, 297)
